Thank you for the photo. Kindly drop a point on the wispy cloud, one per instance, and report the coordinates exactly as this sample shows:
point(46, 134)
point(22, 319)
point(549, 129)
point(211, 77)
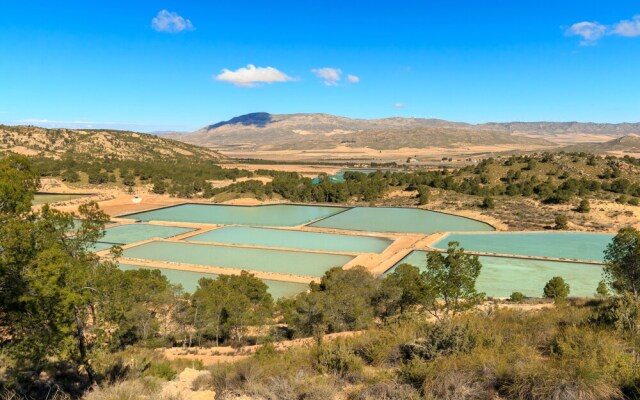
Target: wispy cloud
point(591, 32)
point(399, 105)
point(251, 76)
point(353, 78)
point(330, 76)
point(628, 28)
point(171, 22)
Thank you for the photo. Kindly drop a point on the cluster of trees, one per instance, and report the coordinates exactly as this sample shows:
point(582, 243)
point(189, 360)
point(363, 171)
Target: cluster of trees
point(181, 176)
point(566, 177)
point(551, 178)
point(292, 186)
point(353, 299)
point(61, 303)
point(513, 176)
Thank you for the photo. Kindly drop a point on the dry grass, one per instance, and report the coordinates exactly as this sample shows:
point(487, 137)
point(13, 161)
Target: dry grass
point(130, 390)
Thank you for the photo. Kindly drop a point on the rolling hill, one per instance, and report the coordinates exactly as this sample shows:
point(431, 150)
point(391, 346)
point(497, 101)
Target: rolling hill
point(263, 131)
point(57, 143)
point(626, 144)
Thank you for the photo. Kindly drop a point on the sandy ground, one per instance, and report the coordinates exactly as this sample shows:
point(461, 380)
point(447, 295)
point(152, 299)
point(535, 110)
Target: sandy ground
point(573, 138)
point(182, 386)
point(613, 213)
point(119, 203)
point(307, 170)
point(368, 154)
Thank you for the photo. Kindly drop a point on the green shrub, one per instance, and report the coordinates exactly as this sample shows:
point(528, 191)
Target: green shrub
point(584, 206)
point(561, 222)
point(517, 297)
point(382, 346)
point(624, 199)
point(602, 290)
point(414, 372)
point(556, 289)
point(338, 359)
point(162, 370)
point(488, 203)
point(440, 340)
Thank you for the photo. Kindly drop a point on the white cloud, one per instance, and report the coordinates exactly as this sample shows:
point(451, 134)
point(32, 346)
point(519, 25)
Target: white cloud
point(170, 22)
point(590, 32)
point(628, 28)
point(251, 75)
point(353, 78)
point(331, 76)
point(399, 105)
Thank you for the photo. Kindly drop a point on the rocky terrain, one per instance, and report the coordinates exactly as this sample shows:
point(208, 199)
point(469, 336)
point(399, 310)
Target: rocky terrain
point(57, 143)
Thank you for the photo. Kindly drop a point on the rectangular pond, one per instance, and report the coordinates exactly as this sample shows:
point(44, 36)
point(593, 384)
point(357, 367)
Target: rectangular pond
point(189, 281)
point(502, 276)
point(270, 215)
point(293, 239)
point(400, 220)
point(278, 261)
point(575, 245)
point(132, 233)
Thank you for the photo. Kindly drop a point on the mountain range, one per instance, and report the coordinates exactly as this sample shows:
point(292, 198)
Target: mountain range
point(264, 131)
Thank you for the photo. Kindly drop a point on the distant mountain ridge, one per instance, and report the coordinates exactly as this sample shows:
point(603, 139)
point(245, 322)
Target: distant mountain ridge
point(96, 143)
point(264, 131)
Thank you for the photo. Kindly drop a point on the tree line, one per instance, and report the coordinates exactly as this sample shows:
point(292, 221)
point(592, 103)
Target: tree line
point(550, 178)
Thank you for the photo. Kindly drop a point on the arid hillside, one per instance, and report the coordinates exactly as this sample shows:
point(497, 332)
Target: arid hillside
point(629, 144)
point(124, 145)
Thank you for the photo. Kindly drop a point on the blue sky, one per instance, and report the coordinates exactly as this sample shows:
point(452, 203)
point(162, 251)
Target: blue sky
point(179, 65)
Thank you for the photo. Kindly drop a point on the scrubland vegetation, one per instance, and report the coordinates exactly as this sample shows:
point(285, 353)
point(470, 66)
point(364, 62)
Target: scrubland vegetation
point(548, 178)
point(72, 325)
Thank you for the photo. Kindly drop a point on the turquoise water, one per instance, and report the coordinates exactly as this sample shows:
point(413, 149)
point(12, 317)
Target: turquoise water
point(286, 262)
point(275, 215)
point(128, 234)
point(339, 176)
point(579, 246)
point(293, 239)
point(400, 220)
point(502, 276)
point(42, 198)
point(189, 281)
point(132, 233)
